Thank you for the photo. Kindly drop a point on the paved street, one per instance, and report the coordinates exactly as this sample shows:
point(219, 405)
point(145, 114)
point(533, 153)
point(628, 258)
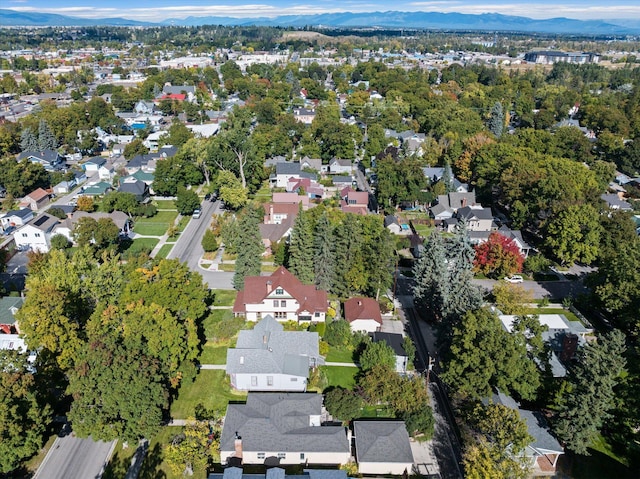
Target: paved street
point(74, 458)
point(188, 248)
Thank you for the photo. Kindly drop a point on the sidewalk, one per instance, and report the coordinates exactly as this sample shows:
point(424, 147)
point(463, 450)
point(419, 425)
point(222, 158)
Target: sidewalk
point(163, 239)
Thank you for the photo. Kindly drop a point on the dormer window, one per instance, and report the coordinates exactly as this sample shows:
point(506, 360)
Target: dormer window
point(279, 291)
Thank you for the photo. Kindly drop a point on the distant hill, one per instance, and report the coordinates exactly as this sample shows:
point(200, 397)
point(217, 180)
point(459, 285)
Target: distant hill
point(12, 18)
point(391, 19)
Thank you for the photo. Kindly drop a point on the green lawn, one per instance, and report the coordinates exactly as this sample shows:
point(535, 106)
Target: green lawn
point(156, 225)
point(376, 411)
point(342, 376)
point(142, 244)
point(215, 353)
point(568, 314)
point(224, 297)
point(165, 204)
point(164, 250)
point(423, 230)
point(337, 355)
point(211, 389)
point(227, 267)
point(268, 268)
point(182, 224)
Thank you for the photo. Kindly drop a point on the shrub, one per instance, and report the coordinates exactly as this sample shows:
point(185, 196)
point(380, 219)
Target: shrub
point(338, 333)
point(60, 241)
point(343, 404)
point(323, 348)
point(227, 328)
point(209, 241)
point(386, 305)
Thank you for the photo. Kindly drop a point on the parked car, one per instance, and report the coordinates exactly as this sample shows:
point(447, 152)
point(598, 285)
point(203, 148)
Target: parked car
point(196, 214)
point(516, 278)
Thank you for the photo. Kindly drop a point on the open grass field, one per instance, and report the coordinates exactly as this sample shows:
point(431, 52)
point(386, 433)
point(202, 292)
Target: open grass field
point(215, 352)
point(210, 388)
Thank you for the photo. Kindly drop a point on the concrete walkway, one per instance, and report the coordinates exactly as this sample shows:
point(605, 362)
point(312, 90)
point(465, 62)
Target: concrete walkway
point(213, 366)
point(351, 365)
point(163, 239)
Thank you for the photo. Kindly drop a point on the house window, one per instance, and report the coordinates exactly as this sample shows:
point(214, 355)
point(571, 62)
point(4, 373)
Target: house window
point(269, 380)
point(281, 315)
point(279, 291)
point(24, 235)
point(302, 456)
point(294, 380)
point(275, 303)
point(258, 316)
point(317, 315)
point(283, 304)
point(254, 380)
point(261, 455)
point(37, 235)
point(282, 455)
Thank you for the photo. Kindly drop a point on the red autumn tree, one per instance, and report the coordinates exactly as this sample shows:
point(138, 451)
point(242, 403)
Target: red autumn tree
point(498, 256)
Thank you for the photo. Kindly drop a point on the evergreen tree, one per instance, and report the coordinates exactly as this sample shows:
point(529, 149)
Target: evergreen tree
point(496, 120)
point(324, 256)
point(447, 178)
point(443, 287)
point(250, 248)
point(46, 138)
point(348, 241)
point(590, 397)
point(28, 140)
point(301, 249)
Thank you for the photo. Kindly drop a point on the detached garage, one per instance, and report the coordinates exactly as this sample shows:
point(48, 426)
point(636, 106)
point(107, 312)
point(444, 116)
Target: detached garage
point(382, 447)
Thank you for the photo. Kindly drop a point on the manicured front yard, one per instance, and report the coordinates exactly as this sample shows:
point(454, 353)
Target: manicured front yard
point(156, 225)
point(165, 204)
point(210, 388)
point(340, 376)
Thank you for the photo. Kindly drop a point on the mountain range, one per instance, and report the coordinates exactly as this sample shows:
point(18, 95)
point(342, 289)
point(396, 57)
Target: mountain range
point(390, 19)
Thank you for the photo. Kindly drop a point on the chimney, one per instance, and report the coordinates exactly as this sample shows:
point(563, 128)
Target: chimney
point(264, 339)
point(270, 212)
point(269, 287)
point(238, 447)
point(464, 202)
point(569, 347)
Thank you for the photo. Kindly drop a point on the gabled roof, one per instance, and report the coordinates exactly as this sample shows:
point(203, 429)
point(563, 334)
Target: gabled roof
point(474, 212)
point(136, 187)
point(44, 222)
point(97, 189)
point(391, 220)
point(21, 213)
point(281, 422)
point(268, 349)
point(288, 168)
point(178, 89)
point(47, 156)
point(7, 305)
point(275, 232)
point(394, 341)
point(342, 179)
point(362, 308)
point(382, 441)
point(258, 288)
point(37, 195)
point(96, 160)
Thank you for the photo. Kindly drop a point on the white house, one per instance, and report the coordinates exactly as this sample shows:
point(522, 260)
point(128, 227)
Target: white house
point(382, 447)
point(363, 314)
point(341, 167)
point(267, 358)
point(36, 235)
point(282, 296)
point(284, 428)
point(16, 218)
point(93, 164)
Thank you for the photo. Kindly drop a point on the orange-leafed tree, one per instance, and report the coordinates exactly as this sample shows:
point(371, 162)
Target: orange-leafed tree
point(498, 256)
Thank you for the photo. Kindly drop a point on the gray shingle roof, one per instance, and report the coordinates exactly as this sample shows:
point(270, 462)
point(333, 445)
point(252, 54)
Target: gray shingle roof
point(382, 441)
point(280, 422)
point(6, 305)
point(268, 349)
point(288, 168)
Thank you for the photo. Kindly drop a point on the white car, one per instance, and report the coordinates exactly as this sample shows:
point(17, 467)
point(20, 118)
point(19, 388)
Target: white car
point(196, 214)
point(516, 278)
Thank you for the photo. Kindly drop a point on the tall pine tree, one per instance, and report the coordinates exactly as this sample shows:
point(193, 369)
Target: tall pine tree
point(46, 138)
point(432, 290)
point(301, 249)
point(28, 140)
point(250, 248)
point(496, 120)
point(324, 256)
point(586, 405)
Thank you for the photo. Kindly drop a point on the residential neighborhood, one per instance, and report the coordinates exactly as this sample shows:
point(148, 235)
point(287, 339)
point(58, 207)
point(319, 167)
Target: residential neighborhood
point(246, 252)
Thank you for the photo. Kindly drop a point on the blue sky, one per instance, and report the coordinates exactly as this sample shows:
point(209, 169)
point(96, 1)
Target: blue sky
point(153, 10)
